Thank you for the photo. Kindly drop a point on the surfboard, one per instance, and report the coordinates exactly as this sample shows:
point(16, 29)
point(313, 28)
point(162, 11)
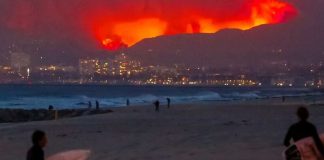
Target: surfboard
point(71, 155)
point(291, 153)
point(304, 149)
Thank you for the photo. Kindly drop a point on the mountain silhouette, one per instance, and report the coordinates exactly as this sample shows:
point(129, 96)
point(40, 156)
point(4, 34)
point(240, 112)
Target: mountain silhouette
point(298, 41)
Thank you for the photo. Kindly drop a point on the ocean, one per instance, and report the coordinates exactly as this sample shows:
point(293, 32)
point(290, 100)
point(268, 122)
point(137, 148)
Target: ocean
point(78, 96)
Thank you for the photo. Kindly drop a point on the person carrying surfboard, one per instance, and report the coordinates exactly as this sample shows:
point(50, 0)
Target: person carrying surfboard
point(39, 140)
point(303, 129)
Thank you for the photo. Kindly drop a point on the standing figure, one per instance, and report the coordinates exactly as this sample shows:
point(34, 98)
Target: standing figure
point(283, 99)
point(39, 140)
point(89, 105)
point(169, 102)
point(127, 102)
point(97, 105)
point(301, 130)
point(157, 105)
point(50, 108)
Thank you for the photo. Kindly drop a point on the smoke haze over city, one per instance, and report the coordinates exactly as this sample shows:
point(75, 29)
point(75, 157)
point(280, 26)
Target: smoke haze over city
point(49, 30)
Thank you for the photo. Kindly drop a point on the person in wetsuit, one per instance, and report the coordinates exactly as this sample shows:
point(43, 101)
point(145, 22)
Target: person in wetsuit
point(36, 152)
point(303, 129)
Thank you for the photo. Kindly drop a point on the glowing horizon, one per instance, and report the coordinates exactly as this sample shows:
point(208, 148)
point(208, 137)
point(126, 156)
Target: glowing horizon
point(125, 31)
point(114, 24)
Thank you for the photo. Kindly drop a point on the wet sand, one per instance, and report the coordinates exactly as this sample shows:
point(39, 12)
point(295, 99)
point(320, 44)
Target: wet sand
point(244, 131)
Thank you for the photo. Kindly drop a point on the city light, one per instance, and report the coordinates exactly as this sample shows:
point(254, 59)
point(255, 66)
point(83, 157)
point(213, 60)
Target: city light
point(122, 69)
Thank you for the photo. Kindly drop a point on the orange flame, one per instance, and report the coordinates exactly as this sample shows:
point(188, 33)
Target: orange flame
point(117, 32)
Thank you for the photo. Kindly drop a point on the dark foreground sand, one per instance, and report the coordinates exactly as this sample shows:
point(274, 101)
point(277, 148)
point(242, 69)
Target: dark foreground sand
point(185, 132)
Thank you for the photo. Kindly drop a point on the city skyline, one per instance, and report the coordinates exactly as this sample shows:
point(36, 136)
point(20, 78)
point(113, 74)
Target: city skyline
point(124, 70)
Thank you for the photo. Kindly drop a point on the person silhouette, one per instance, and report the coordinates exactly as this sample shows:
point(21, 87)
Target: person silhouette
point(89, 104)
point(50, 108)
point(97, 105)
point(169, 102)
point(127, 102)
point(39, 140)
point(303, 129)
point(157, 105)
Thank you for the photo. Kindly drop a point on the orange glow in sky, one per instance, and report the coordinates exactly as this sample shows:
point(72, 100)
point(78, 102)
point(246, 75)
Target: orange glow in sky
point(124, 29)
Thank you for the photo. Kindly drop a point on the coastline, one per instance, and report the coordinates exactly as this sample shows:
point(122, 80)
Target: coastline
point(75, 97)
point(17, 115)
point(208, 131)
point(26, 115)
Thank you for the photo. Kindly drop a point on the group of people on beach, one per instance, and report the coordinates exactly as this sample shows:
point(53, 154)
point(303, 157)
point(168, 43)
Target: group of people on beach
point(157, 104)
point(39, 138)
point(90, 104)
point(296, 132)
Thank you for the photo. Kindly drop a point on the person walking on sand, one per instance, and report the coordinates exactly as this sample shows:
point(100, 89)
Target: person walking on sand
point(303, 129)
point(127, 102)
point(97, 105)
point(157, 105)
point(36, 152)
point(89, 105)
point(169, 102)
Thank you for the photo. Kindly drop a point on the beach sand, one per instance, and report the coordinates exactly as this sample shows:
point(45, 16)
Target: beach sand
point(243, 131)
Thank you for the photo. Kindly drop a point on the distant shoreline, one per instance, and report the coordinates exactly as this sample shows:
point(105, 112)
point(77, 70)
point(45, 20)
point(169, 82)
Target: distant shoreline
point(289, 99)
point(18, 115)
point(26, 115)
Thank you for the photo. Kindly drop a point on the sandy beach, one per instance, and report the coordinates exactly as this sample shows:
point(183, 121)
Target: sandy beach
point(210, 131)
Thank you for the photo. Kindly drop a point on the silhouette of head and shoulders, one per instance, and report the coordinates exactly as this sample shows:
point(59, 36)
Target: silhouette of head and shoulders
point(303, 128)
point(39, 141)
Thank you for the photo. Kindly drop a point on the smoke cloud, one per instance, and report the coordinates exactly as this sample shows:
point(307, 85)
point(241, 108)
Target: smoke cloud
point(113, 24)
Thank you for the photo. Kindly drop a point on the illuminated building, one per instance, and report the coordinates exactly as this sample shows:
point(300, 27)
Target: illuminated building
point(57, 68)
point(120, 66)
point(123, 62)
point(88, 67)
point(106, 67)
point(6, 70)
point(281, 82)
point(233, 82)
point(20, 62)
point(125, 66)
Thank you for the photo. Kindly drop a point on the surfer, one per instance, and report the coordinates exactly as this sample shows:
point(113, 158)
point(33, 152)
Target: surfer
point(303, 129)
point(39, 140)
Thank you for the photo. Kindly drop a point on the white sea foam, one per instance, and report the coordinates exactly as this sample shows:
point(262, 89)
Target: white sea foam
point(116, 97)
